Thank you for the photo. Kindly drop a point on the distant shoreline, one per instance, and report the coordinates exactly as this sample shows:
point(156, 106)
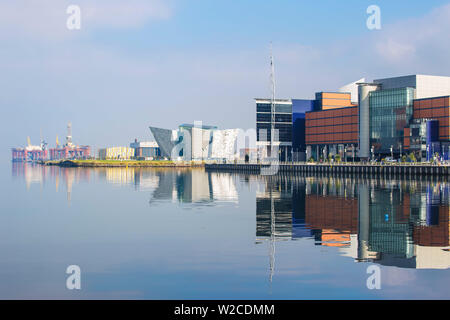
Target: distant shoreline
point(121, 164)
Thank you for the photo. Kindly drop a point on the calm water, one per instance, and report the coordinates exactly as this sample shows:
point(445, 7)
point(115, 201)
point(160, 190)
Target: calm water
point(191, 234)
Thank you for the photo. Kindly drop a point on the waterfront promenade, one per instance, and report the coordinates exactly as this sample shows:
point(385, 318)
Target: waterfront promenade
point(398, 169)
point(121, 163)
point(357, 168)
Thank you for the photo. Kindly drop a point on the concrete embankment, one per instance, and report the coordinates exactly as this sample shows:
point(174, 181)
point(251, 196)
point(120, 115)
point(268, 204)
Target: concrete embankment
point(365, 169)
point(121, 164)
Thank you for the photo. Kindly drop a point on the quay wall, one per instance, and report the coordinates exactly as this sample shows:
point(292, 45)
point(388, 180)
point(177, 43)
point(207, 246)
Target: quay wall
point(356, 169)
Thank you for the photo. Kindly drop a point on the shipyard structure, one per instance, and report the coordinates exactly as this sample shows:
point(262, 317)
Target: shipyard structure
point(66, 151)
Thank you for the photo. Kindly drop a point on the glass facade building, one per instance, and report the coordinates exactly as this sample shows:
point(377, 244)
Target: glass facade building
point(390, 112)
point(282, 123)
point(283, 120)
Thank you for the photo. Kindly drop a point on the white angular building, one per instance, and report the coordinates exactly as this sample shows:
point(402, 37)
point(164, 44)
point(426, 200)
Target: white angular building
point(196, 142)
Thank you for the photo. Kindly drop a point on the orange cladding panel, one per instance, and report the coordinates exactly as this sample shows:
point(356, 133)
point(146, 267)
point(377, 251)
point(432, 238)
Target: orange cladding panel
point(443, 122)
point(336, 95)
point(438, 112)
point(444, 131)
point(425, 103)
point(426, 113)
point(437, 102)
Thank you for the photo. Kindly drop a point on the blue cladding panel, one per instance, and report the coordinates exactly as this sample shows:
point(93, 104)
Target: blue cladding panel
point(302, 106)
point(432, 138)
point(299, 107)
point(432, 131)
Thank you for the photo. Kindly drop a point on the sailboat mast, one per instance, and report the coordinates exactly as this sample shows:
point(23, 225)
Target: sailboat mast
point(272, 100)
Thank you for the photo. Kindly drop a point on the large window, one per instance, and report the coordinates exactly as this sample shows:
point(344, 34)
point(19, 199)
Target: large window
point(390, 112)
point(283, 120)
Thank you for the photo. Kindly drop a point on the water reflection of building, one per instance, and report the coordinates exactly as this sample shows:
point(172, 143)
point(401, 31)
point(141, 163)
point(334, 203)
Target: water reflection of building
point(180, 185)
point(38, 174)
point(407, 225)
point(331, 211)
point(404, 224)
point(300, 207)
point(274, 207)
point(194, 186)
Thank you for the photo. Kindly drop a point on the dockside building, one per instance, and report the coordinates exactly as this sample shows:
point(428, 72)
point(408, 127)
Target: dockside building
point(389, 117)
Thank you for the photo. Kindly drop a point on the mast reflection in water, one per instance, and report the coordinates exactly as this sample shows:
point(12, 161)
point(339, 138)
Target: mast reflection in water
point(134, 235)
point(390, 222)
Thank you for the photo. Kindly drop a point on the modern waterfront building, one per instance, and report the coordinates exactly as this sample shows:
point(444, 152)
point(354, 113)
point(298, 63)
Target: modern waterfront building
point(392, 117)
point(426, 86)
point(196, 142)
point(332, 128)
point(386, 108)
point(306, 127)
point(281, 120)
point(390, 112)
point(289, 120)
point(145, 150)
point(436, 113)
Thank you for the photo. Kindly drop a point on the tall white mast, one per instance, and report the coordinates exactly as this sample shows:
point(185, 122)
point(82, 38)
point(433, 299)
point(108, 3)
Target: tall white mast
point(272, 101)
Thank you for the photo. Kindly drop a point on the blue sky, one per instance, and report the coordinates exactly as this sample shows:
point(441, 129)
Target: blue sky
point(137, 63)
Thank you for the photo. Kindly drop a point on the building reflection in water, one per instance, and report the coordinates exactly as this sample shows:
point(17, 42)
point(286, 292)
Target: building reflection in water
point(178, 185)
point(38, 174)
point(195, 186)
point(390, 222)
point(402, 223)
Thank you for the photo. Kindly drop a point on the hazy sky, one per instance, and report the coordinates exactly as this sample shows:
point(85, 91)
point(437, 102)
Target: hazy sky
point(136, 63)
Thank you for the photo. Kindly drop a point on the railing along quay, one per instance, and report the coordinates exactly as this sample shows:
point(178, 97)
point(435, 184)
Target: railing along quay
point(343, 168)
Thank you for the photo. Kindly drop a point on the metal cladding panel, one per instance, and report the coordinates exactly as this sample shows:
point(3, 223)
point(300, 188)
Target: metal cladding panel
point(432, 131)
point(165, 140)
point(352, 88)
point(223, 143)
point(201, 139)
point(432, 86)
point(300, 106)
point(299, 109)
point(398, 82)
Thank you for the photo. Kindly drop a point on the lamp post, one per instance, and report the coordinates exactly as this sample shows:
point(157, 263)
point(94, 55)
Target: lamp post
point(392, 152)
point(372, 152)
point(345, 153)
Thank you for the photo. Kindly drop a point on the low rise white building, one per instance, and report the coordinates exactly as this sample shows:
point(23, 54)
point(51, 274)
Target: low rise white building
point(116, 153)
